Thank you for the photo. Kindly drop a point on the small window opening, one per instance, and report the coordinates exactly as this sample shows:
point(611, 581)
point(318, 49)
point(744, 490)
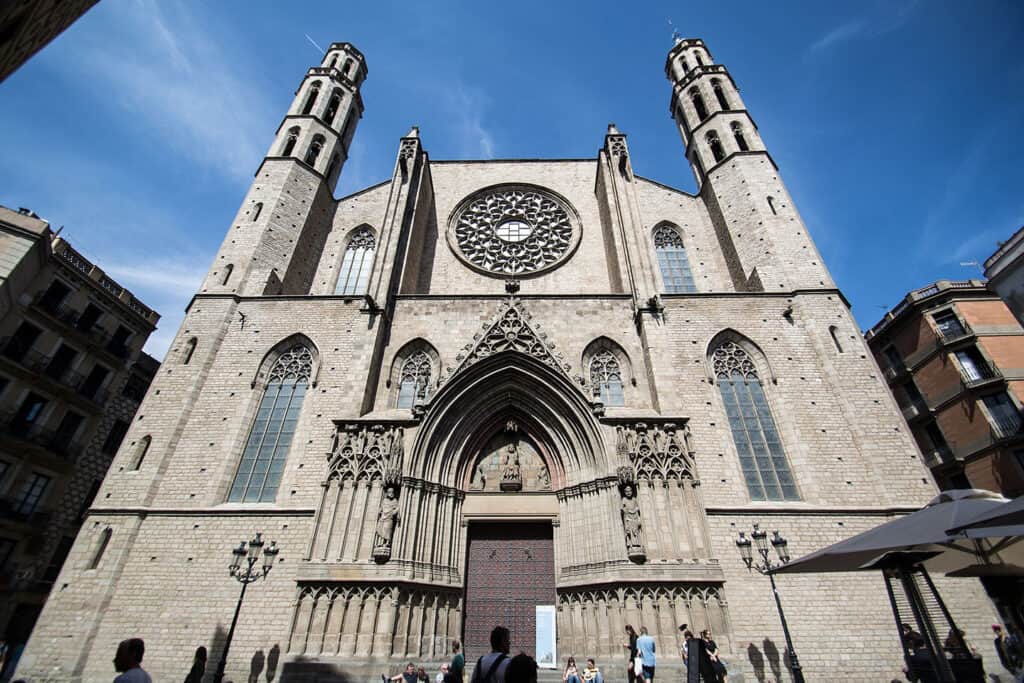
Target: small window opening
point(348, 65)
point(140, 451)
point(314, 92)
point(314, 150)
point(289, 145)
point(716, 85)
point(698, 104)
point(190, 348)
point(716, 146)
point(696, 56)
point(334, 60)
point(257, 210)
point(227, 273)
point(771, 205)
point(101, 548)
point(686, 67)
point(332, 108)
point(741, 141)
point(833, 330)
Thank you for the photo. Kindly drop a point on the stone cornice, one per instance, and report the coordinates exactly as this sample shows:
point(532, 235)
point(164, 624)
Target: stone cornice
point(229, 510)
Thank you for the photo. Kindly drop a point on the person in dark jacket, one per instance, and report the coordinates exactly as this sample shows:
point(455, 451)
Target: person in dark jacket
point(195, 674)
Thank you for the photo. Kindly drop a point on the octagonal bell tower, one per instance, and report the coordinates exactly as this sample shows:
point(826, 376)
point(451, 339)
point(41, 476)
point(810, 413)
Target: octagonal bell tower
point(761, 232)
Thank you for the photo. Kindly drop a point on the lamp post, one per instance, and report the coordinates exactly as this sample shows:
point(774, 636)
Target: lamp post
point(765, 566)
point(243, 568)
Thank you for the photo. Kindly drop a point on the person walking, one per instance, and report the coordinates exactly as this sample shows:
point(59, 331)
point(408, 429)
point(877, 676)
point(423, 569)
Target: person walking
point(1009, 651)
point(630, 646)
point(645, 648)
point(491, 667)
point(195, 674)
point(458, 666)
point(128, 662)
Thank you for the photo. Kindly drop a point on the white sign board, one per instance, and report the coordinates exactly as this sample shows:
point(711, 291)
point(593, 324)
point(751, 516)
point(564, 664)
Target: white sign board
point(547, 658)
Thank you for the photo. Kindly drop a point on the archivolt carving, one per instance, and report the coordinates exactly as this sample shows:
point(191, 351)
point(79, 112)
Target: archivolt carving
point(657, 450)
point(366, 452)
point(514, 230)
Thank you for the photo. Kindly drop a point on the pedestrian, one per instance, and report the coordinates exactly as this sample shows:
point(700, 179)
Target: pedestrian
point(912, 640)
point(645, 648)
point(195, 674)
point(571, 674)
point(440, 678)
point(1009, 650)
point(491, 667)
point(717, 665)
point(630, 646)
point(128, 662)
point(706, 664)
point(521, 669)
point(458, 665)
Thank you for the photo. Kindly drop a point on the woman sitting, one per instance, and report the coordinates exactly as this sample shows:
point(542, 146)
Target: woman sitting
point(571, 675)
point(591, 674)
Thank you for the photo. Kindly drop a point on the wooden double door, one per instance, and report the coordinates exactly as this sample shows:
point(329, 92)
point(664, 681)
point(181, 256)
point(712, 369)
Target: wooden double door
point(510, 569)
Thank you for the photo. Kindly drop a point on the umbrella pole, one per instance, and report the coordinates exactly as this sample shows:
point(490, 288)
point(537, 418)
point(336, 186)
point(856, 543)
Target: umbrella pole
point(924, 622)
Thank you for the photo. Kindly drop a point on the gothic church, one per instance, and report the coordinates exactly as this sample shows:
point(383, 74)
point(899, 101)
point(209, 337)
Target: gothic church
point(541, 393)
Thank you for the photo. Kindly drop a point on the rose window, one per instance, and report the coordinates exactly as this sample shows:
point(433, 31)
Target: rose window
point(514, 230)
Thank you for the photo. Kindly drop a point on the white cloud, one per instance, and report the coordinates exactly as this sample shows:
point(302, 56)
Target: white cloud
point(169, 69)
point(847, 31)
point(467, 106)
point(890, 18)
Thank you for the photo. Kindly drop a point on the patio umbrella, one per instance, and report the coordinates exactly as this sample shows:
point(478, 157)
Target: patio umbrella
point(905, 549)
point(922, 532)
point(1005, 520)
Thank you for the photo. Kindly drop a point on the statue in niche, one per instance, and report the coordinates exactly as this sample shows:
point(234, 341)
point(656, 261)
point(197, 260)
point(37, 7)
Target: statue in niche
point(511, 472)
point(631, 522)
point(479, 480)
point(543, 478)
point(387, 520)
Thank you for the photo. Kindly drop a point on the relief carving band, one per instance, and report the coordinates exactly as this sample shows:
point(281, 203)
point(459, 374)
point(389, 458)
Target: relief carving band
point(632, 525)
point(387, 519)
point(657, 451)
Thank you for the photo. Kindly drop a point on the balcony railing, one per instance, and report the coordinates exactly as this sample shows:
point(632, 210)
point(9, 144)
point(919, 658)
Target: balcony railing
point(1007, 427)
point(916, 410)
point(982, 373)
point(35, 433)
point(938, 456)
point(955, 333)
point(894, 372)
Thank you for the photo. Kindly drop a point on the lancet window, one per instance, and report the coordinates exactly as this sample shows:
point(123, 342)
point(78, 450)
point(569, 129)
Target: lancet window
point(675, 267)
point(741, 140)
point(266, 449)
point(762, 460)
point(716, 85)
point(715, 144)
point(356, 264)
point(606, 378)
point(414, 380)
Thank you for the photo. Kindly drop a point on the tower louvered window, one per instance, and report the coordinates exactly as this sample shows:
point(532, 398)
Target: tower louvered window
point(762, 460)
point(675, 267)
point(356, 265)
point(606, 378)
point(259, 473)
point(415, 379)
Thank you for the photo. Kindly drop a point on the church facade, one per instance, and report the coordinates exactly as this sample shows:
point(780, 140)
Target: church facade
point(546, 394)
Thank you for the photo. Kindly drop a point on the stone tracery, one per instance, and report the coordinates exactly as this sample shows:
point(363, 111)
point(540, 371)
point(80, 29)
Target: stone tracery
point(543, 236)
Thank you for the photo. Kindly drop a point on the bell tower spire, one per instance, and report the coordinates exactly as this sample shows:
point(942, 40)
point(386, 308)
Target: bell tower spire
point(272, 245)
point(752, 211)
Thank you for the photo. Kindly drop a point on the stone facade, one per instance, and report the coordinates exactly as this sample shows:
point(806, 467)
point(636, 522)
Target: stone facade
point(433, 365)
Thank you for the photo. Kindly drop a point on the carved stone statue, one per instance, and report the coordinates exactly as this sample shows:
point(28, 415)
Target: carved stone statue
point(543, 478)
point(387, 520)
point(511, 472)
point(631, 523)
point(479, 480)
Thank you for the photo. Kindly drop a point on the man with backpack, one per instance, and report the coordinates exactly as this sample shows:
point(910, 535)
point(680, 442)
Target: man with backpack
point(491, 668)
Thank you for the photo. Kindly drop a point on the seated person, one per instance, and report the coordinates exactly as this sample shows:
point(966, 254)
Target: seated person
point(591, 674)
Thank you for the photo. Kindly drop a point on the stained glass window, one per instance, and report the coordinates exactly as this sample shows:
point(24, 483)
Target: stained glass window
point(259, 473)
point(356, 265)
point(675, 267)
point(415, 379)
point(762, 460)
point(606, 378)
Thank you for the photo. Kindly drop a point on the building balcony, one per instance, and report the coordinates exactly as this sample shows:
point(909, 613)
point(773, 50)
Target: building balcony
point(955, 333)
point(916, 411)
point(33, 433)
point(983, 374)
point(938, 456)
point(1005, 428)
point(894, 372)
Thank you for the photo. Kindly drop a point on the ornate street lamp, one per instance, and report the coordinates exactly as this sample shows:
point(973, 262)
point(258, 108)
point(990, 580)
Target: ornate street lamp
point(243, 567)
point(765, 566)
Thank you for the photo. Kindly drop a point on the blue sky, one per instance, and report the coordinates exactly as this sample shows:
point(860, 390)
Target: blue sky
point(897, 125)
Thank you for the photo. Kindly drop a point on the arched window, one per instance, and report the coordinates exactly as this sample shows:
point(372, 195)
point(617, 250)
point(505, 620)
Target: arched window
point(334, 60)
point(266, 449)
point(716, 85)
point(190, 348)
point(140, 451)
point(696, 56)
point(686, 67)
point(331, 167)
point(698, 104)
point(314, 149)
point(737, 132)
point(101, 547)
point(356, 265)
point(289, 144)
point(771, 205)
point(332, 107)
point(716, 145)
point(314, 92)
point(227, 273)
point(414, 380)
point(606, 378)
point(348, 65)
point(257, 210)
point(834, 331)
point(672, 261)
point(762, 460)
